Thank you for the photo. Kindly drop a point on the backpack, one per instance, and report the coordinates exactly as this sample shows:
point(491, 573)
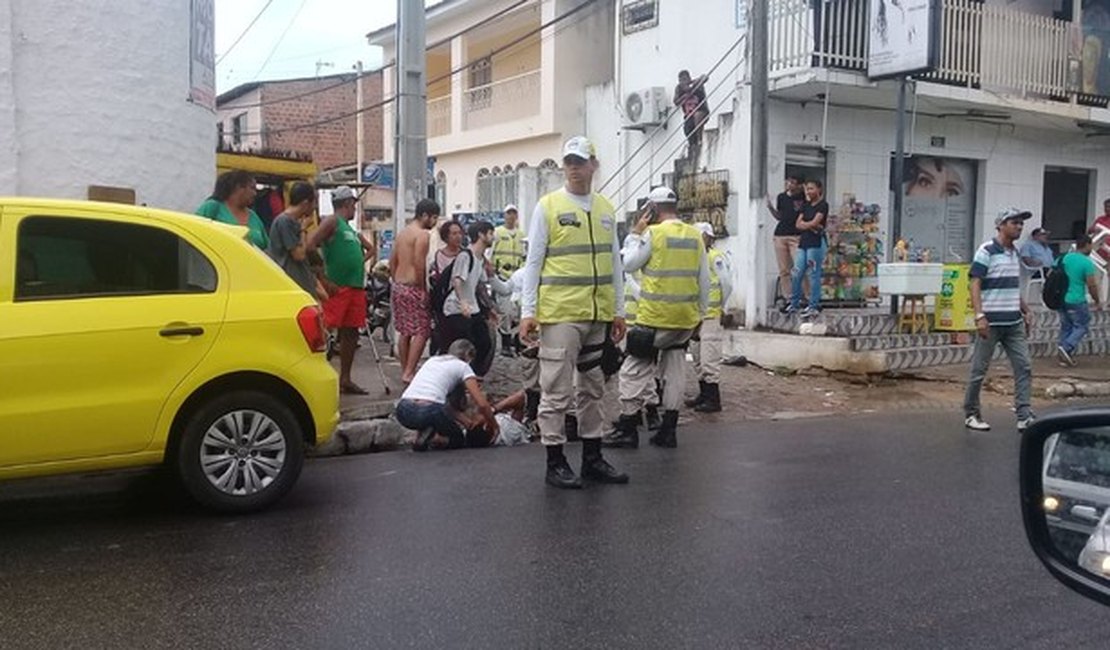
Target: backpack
point(441, 288)
point(1055, 286)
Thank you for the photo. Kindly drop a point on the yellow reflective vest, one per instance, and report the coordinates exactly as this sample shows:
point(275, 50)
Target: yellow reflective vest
point(508, 251)
point(576, 282)
point(669, 293)
point(716, 297)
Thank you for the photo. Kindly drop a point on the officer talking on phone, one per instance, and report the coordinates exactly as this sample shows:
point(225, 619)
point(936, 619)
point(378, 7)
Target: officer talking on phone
point(674, 296)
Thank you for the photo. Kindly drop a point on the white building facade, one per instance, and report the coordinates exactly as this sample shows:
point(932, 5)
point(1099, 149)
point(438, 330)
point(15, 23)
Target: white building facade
point(1005, 125)
point(116, 95)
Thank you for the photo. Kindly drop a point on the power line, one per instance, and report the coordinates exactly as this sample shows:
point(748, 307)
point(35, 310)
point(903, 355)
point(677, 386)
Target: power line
point(228, 50)
point(281, 38)
point(442, 41)
point(447, 75)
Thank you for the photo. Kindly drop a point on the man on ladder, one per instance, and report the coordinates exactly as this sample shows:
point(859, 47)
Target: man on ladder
point(573, 286)
point(507, 256)
point(674, 296)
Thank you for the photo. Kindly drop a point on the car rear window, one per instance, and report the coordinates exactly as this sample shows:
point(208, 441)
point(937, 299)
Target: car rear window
point(65, 257)
point(1083, 457)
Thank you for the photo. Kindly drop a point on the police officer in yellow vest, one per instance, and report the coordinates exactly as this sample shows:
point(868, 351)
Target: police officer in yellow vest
point(574, 296)
point(507, 255)
point(674, 296)
point(706, 346)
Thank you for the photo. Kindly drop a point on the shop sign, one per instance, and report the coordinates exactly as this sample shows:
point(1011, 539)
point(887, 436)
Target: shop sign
point(202, 54)
point(904, 37)
point(954, 312)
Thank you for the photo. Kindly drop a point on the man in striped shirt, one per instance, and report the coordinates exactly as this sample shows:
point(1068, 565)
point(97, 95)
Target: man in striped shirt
point(1001, 317)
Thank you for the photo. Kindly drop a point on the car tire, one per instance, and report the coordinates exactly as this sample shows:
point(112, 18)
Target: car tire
point(244, 474)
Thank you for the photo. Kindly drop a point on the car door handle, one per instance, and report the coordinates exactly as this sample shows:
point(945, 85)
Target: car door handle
point(182, 331)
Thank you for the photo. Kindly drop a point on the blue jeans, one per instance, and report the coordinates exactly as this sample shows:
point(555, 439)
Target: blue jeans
point(1014, 343)
point(807, 263)
point(1075, 322)
point(419, 416)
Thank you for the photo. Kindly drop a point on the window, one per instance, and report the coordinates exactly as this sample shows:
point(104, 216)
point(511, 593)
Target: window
point(481, 76)
point(60, 257)
point(441, 190)
point(1066, 202)
point(238, 128)
point(638, 16)
point(219, 134)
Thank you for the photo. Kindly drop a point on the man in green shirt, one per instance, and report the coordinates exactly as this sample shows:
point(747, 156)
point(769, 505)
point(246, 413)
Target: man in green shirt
point(1075, 315)
point(345, 254)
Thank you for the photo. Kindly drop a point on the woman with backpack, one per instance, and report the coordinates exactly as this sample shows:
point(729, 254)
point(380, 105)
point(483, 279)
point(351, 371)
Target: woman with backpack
point(451, 233)
point(467, 306)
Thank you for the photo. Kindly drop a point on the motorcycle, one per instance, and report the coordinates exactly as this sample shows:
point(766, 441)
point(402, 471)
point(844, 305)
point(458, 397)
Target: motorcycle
point(379, 312)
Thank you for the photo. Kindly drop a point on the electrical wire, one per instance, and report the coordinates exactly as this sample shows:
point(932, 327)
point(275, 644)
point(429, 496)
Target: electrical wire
point(244, 33)
point(281, 38)
point(466, 66)
point(443, 41)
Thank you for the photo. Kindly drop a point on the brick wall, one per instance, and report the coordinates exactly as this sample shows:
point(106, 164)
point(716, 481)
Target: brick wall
point(332, 144)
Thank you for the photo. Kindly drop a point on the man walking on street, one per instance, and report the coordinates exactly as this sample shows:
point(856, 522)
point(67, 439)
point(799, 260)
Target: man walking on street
point(707, 344)
point(1075, 316)
point(674, 296)
point(345, 255)
point(1002, 318)
point(507, 257)
point(785, 210)
point(573, 294)
point(412, 314)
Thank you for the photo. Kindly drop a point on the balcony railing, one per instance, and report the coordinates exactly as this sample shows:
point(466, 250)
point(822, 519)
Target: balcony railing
point(981, 46)
point(439, 116)
point(502, 101)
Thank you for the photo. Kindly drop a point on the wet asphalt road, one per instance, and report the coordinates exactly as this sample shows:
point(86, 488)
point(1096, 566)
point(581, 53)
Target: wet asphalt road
point(879, 531)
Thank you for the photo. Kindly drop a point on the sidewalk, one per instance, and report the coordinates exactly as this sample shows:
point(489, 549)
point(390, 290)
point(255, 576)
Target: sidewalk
point(1090, 378)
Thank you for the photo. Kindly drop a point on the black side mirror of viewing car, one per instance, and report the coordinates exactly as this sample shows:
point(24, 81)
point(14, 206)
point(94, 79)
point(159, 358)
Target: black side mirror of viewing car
point(1065, 497)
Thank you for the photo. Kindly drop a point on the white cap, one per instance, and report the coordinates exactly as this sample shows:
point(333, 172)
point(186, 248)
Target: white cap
point(342, 193)
point(705, 228)
point(579, 147)
point(510, 208)
point(662, 195)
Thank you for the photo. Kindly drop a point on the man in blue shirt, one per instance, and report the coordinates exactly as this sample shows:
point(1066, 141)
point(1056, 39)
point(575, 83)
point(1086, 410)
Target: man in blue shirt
point(1036, 254)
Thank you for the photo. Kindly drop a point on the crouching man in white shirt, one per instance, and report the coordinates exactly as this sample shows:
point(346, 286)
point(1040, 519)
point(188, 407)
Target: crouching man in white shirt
point(431, 405)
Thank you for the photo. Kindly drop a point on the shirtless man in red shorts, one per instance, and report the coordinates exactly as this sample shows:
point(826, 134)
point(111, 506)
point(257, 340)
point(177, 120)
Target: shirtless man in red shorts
point(411, 314)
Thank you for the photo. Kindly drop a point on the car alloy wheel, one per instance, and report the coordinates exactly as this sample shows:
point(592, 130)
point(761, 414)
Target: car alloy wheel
point(243, 452)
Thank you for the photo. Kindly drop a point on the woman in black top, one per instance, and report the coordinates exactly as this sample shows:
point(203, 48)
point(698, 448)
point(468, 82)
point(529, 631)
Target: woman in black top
point(812, 247)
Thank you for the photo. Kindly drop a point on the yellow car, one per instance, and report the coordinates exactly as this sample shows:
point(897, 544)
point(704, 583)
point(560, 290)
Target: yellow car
point(133, 337)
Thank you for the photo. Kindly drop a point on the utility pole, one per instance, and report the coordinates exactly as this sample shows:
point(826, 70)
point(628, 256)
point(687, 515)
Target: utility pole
point(410, 112)
point(360, 135)
point(756, 298)
point(898, 176)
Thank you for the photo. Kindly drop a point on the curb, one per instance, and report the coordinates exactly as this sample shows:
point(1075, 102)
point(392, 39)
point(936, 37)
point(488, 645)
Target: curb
point(1078, 388)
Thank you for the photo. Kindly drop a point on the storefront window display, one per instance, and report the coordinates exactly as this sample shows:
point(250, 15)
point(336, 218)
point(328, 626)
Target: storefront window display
point(850, 276)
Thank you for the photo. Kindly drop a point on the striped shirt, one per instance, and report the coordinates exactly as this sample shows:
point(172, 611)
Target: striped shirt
point(999, 269)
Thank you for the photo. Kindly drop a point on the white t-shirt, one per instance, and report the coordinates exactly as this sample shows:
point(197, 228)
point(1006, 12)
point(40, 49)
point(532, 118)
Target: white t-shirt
point(438, 377)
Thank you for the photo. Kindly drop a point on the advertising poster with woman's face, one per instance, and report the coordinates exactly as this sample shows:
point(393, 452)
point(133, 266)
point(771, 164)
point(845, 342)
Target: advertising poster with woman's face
point(939, 206)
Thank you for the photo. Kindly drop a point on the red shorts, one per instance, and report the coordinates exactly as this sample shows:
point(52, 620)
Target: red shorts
point(346, 308)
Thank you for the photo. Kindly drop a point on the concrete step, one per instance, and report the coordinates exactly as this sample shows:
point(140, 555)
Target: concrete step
point(924, 357)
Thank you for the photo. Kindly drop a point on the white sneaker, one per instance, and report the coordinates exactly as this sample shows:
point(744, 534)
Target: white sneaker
point(974, 423)
point(1064, 356)
point(1026, 423)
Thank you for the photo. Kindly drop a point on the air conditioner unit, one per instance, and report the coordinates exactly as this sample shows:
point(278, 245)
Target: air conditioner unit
point(644, 108)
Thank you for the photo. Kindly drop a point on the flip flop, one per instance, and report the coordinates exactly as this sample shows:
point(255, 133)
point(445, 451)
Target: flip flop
point(353, 389)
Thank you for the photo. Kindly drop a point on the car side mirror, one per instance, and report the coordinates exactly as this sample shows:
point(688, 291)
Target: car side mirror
point(1065, 498)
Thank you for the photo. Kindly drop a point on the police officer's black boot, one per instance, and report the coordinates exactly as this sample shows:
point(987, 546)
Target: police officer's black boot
point(559, 473)
point(626, 435)
point(596, 468)
point(712, 401)
point(667, 436)
point(651, 417)
point(697, 401)
point(570, 428)
point(531, 405)
point(507, 345)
